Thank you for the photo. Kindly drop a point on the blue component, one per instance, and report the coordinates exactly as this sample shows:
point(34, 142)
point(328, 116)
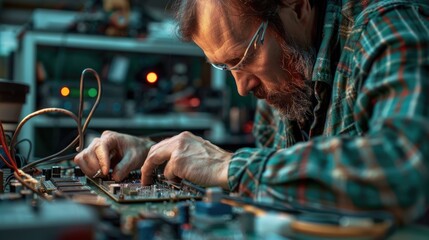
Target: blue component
point(146, 230)
point(213, 208)
point(183, 213)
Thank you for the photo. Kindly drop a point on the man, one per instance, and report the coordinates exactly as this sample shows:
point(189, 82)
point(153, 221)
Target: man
point(343, 116)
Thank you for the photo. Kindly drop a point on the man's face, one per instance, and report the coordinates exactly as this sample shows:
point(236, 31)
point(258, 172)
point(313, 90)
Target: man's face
point(278, 71)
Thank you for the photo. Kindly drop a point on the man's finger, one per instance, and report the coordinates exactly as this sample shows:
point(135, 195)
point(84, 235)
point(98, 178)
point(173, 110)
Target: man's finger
point(169, 172)
point(104, 149)
point(103, 156)
point(122, 168)
point(88, 162)
point(158, 154)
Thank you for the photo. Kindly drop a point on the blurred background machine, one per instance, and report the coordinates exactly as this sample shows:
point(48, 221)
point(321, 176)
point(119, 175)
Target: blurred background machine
point(12, 98)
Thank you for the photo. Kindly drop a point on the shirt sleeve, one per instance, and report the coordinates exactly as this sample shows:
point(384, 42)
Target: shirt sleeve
point(385, 168)
point(264, 127)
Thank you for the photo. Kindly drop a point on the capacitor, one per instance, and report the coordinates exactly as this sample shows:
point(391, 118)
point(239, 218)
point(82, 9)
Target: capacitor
point(183, 213)
point(56, 171)
point(15, 186)
point(78, 172)
point(114, 188)
point(47, 172)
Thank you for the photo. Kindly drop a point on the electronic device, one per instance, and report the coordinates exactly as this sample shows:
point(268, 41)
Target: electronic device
point(134, 83)
point(66, 95)
point(131, 192)
point(12, 97)
point(173, 211)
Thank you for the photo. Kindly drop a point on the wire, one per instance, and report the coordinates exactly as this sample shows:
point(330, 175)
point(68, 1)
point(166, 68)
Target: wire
point(12, 176)
point(49, 110)
point(49, 161)
point(8, 179)
point(30, 145)
point(29, 182)
point(20, 174)
point(79, 121)
point(9, 160)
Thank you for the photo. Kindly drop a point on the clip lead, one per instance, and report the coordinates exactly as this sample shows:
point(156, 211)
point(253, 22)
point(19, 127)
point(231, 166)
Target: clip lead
point(97, 174)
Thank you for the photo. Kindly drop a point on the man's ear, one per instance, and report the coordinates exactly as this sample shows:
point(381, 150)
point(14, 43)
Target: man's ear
point(300, 8)
point(297, 17)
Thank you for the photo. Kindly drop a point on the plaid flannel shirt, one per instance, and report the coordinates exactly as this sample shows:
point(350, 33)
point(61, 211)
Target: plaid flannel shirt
point(368, 145)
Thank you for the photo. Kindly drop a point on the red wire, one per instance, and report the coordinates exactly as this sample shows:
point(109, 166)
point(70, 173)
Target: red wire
point(6, 162)
point(11, 163)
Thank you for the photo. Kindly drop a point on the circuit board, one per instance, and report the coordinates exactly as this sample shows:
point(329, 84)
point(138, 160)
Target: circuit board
point(128, 192)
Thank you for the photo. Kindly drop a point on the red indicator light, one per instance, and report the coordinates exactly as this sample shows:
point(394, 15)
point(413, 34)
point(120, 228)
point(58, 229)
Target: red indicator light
point(65, 91)
point(194, 102)
point(248, 127)
point(151, 77)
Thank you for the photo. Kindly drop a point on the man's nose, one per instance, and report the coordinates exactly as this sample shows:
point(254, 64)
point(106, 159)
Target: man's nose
point(245, 83)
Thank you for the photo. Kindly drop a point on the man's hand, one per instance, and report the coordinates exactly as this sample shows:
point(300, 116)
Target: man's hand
point(188, 157)
point(125, 151)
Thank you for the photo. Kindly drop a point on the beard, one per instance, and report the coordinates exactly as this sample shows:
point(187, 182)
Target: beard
point(292, 99)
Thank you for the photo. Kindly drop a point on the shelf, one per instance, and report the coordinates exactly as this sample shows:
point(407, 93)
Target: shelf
point(94, 42)
point(165, 121)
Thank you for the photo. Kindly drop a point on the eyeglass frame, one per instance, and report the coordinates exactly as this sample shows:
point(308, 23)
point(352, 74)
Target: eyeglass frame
point(258, 37)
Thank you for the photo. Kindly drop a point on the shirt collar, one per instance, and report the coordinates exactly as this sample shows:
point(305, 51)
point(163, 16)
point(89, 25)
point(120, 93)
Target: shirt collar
point(327, 57)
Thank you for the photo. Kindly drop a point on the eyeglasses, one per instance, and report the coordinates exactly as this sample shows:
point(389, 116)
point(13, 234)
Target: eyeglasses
point(257, 39)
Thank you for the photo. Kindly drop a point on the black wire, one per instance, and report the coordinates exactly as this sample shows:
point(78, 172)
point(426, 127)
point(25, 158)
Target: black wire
point(50, 160)
point(28, 167)
point(30, 145)
point(9, 178)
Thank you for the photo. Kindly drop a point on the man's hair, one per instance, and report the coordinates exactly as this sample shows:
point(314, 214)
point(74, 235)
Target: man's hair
point(248, 10)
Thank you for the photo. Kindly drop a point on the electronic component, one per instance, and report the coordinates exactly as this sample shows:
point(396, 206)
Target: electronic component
point(66, 187)
point(127, 192)
point(130, 190)
point(15, 186)
point(47, 173)
point(56, 171)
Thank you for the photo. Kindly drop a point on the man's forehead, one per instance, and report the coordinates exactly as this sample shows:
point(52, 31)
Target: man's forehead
point(216, 25)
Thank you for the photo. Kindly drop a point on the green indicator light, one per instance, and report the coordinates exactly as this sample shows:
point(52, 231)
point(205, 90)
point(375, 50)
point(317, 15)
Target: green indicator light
point(92, 92)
